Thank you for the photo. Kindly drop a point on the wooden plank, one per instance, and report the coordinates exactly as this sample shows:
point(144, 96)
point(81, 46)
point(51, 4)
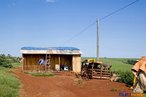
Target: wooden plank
point(99, 72)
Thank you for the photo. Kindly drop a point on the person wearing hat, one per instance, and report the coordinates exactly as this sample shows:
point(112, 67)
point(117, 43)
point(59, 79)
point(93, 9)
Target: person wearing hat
point(139, 71)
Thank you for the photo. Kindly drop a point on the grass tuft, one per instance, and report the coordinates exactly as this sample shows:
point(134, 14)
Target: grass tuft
point(114, 89)
point(42, 74)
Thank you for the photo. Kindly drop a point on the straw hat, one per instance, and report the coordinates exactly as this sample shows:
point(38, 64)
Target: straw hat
point(143, 58)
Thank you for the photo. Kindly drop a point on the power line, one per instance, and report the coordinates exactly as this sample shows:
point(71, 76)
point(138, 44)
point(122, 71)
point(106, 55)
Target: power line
point(80, 32)
point(100, 19)
point(114, 12)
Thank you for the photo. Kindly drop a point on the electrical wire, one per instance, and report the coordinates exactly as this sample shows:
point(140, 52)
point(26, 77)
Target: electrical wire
point(116, 11)
point(100, 19)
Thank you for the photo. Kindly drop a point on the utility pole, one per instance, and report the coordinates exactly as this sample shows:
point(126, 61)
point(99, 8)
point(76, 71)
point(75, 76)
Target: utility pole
point(97, 49)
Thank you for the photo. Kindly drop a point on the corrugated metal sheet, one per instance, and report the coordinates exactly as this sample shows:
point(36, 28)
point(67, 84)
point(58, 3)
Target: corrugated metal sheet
point(50, 50)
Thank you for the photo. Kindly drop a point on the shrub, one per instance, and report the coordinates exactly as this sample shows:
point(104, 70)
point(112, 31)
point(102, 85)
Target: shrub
point(126, 77)
point(130, 61)
point(6, 61)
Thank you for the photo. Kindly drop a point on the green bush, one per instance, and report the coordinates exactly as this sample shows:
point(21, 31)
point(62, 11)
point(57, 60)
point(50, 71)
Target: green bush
point(126, 77)
point(130, 61)
point(5, 62)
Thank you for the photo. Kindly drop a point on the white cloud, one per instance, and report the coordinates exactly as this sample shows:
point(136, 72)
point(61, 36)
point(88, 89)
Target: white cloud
point(50, 1)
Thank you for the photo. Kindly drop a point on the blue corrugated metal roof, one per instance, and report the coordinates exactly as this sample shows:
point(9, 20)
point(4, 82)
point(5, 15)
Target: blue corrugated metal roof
point(49, 48)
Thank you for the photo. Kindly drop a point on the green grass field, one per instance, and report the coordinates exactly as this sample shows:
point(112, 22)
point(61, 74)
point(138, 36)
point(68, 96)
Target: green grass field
point(118, 64)
point(9, 84)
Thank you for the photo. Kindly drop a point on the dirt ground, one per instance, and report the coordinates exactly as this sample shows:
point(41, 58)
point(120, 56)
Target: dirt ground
point(67, 85)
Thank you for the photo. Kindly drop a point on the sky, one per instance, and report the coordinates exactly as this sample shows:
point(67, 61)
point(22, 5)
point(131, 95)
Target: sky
point(72, 23)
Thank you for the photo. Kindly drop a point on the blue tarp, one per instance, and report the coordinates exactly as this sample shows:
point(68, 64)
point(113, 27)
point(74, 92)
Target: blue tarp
point(49, 48)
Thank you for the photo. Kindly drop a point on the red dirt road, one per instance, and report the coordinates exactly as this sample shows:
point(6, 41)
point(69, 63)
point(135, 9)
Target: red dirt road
point(66, 85)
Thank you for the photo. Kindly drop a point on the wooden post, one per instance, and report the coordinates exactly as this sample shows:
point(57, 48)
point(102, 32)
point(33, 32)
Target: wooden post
point(45, 62)
point(59, 61)
point(22, 62)
point(97, 56)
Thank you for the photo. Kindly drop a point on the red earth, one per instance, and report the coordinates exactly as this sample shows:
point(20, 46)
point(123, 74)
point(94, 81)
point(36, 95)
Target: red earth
point(67, 85)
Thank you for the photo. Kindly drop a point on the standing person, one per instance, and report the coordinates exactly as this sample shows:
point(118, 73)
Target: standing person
point(21, 60)
point(84, 72)
point(139, 71)
point(84, 63)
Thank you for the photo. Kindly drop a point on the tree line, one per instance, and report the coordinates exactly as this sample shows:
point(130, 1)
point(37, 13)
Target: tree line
point(7, 60)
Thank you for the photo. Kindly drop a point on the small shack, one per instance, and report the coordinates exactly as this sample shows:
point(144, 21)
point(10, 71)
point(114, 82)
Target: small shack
point(54, 58)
